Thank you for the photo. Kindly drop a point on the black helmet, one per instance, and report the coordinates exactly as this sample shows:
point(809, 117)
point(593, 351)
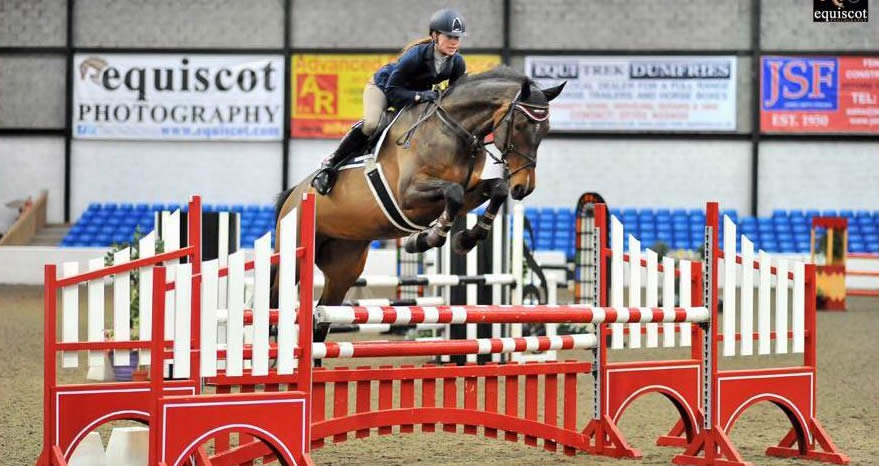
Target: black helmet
point(448, 22)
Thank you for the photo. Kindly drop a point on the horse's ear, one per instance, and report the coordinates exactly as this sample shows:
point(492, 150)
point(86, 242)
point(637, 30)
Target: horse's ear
point(553, 92)
point(525, 93)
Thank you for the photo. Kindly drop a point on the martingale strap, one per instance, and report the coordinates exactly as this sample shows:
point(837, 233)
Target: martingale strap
point(385, 199)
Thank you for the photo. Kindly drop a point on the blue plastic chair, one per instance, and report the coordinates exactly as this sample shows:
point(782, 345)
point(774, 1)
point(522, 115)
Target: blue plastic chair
point(776, 213)
point(856, 247)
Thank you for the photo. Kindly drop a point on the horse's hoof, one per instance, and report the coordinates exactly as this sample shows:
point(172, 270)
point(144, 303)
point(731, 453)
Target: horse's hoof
point(462, 243)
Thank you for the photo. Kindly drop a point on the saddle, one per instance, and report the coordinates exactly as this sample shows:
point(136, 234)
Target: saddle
point(368, 150)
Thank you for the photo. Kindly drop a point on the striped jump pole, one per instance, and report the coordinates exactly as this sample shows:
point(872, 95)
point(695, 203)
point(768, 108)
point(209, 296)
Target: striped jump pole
point(377, 349)
point(521, 314)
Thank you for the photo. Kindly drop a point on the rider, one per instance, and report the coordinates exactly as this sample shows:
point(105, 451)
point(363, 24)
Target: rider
point(409, 80)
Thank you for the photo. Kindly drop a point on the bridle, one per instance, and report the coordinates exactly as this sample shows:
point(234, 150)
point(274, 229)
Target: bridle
point(535, 113)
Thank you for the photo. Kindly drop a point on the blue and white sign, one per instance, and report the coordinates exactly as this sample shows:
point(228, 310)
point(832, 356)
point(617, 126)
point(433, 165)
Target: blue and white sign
point(178, 97)
point(634, 93)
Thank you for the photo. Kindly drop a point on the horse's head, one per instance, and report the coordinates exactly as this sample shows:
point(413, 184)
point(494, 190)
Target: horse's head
point(518, 129)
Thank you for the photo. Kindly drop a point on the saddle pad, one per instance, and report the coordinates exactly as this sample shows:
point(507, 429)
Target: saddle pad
point(359, 161)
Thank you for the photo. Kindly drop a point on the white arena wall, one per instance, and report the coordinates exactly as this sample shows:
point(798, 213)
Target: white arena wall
point(635, 173)
point(221, 172)
point(29, 164)
point(818, 174)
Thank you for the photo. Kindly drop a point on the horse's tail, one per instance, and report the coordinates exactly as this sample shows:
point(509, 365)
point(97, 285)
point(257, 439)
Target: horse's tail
point(273, 274)
point(280, 200)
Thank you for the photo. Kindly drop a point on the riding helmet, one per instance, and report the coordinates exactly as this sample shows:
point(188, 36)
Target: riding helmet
point(448, 22)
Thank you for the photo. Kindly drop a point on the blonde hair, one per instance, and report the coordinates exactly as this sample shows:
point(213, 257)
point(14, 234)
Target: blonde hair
point(423, 40)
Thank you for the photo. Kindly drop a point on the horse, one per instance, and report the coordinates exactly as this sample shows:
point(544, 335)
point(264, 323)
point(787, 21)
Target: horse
point(433, 172)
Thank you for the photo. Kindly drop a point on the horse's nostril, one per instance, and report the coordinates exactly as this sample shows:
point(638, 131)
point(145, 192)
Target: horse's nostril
point(518, 191)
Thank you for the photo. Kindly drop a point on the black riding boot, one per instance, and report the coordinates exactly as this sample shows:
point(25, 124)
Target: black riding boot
point(325, 178)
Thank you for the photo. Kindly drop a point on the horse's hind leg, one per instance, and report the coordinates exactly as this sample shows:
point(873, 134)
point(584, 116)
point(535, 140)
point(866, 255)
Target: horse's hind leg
point(342, 262)
point(497, 190)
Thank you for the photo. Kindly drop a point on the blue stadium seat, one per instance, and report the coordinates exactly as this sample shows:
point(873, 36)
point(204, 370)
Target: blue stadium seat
point(732, 214)
point(829, 213)
point(680, 243)
point(779, 213)
point(872, 247)
point(680, 213)
point(120, 238)
point(856, 247)
point(847, 213)
point(782, 229)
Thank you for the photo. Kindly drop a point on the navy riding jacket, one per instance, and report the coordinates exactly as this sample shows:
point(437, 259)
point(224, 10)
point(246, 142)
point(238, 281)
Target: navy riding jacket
point(415, 72)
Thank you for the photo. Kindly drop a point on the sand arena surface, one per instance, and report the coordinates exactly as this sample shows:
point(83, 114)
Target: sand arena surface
point(848, 400)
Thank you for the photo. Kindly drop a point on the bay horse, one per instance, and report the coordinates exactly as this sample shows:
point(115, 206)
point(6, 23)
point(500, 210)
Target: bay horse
point(433, 172)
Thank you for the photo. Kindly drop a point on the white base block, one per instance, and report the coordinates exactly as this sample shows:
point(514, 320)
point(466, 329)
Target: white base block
point(128, 446)
point(89, 452)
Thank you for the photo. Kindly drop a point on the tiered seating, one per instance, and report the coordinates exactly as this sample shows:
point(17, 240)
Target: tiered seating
point(786, 231)
point(553, 229)
point(102, 225)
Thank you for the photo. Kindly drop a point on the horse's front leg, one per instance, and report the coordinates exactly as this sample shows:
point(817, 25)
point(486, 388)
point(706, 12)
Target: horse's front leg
point(435, 235)
point(497, 191)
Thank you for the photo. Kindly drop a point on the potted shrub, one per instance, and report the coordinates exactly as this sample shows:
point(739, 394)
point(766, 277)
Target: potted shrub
point(132, 371)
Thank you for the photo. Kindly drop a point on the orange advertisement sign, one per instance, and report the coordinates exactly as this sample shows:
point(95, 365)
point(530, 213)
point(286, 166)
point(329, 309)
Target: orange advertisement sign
point(327, 89)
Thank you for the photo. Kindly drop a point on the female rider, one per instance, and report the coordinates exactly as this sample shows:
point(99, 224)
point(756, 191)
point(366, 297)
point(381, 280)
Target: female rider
point(407, 81)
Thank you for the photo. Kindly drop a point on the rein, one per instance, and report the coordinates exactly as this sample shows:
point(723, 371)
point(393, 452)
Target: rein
point(535, 113)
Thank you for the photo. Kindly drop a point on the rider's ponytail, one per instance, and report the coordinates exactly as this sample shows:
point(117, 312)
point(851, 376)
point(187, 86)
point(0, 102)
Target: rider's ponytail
point(423, 40)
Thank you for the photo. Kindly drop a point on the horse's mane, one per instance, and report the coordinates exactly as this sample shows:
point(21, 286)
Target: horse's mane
point(498, 73)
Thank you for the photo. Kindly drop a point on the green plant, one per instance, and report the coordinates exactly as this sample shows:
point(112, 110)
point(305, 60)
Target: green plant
point(134, 278)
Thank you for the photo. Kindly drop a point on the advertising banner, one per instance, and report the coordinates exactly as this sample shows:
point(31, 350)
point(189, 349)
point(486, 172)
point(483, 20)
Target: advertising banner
point(635, 93)
point(178, 97)
point(327, 95)
point(819, 94)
